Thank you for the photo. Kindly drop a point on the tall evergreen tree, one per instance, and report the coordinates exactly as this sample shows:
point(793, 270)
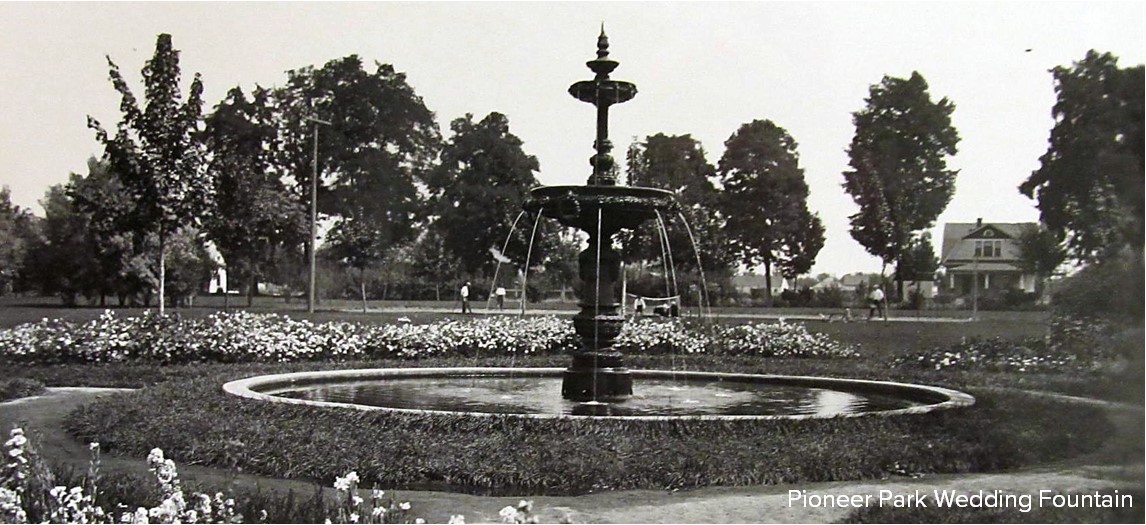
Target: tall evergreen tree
point(898, 158)
point(155, 150)
point(765, 201)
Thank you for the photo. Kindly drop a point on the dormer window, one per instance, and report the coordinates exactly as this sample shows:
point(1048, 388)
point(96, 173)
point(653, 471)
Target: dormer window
point(988, 249)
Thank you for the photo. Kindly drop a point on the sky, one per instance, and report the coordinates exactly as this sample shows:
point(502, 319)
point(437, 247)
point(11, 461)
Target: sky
point(701, 68)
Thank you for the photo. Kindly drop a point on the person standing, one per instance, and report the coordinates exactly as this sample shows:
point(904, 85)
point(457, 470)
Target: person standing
point(876, 300)
point(639, 307)
point(500, 294)
point(465, 293)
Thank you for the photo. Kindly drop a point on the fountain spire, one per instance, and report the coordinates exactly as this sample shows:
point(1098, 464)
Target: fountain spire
point(603, 92)
point(597, 376)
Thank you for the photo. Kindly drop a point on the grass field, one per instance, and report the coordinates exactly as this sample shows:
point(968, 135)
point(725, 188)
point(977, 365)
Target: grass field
point(1005, 430)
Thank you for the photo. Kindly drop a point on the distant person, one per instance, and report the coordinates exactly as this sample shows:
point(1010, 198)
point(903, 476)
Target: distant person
point(499, 293)
point(639, 306)
point(876, 301)
point(465, 293)
point(674, 309)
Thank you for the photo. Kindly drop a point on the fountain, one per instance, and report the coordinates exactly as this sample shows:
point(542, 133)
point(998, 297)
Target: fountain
point(600, 209)
point(597, 383)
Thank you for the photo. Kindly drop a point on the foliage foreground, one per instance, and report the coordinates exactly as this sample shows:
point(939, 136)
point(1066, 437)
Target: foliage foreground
point(30, 492)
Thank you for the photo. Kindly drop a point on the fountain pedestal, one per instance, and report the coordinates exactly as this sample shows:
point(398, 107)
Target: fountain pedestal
point(598, 371)
point(601, 209)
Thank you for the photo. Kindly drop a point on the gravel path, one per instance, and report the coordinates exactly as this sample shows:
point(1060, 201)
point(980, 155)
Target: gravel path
point(42, 416)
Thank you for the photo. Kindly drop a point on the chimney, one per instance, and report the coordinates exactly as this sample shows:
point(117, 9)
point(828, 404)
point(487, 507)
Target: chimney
point(979, 222)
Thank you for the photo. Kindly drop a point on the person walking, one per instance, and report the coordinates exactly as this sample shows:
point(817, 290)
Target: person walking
point(876, 300)
point(500, 294)
point(465, 293)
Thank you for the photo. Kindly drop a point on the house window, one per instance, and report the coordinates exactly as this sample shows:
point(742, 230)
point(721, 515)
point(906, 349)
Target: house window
point(988, 249)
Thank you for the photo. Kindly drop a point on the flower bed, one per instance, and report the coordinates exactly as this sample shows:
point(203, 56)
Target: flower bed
point(228, 337)
point(1002, 355)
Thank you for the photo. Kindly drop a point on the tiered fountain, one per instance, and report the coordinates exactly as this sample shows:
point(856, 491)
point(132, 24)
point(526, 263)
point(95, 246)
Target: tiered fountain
point(601, 209)
point(597, 383)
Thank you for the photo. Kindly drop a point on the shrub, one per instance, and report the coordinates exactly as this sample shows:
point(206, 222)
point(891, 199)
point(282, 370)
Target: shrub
point(20, 387)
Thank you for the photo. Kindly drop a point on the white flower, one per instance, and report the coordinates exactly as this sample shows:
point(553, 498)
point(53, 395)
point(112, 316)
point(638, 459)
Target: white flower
point(457, 519)
point(405, 505)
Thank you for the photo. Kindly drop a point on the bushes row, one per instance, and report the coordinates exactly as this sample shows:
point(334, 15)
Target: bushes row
point(231, 337)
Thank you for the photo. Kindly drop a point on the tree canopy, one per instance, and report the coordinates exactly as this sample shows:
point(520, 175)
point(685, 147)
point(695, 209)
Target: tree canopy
point(898, 159)
point(155, 150)
point(1090, 183)
point(254, 218)
point(764, 201)
point(478, 191)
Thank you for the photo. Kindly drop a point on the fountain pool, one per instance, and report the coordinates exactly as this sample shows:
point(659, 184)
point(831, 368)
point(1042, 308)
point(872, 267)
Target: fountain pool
point(535, 392)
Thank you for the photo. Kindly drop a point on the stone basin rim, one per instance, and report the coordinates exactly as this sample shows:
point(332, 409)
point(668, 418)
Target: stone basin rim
point(938, 398)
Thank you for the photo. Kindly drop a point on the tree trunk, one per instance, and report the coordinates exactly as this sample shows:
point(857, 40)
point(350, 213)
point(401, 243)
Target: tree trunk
point(768, 283)
point(362, 285)
point(162, 271)
point(252, 288)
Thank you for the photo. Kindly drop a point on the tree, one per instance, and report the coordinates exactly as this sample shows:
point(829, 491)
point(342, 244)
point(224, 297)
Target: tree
point(478, 191)
point(154, 149)
point(355, 244)
point(1090, 183)
point(117, 255)
point(677, 163)
point(899, 176)
point(431, 261)
point(765, 202)
point(372, 157)
point(254, 218)
point(1041, 253)
point(919, 262)
point(17, 235)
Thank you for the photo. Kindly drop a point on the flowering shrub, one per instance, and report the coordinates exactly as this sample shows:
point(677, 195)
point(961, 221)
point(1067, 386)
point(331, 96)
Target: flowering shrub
point(245, 337)
point(998, 354)
point(230, 337)
point(78, 504)
point(780, 340)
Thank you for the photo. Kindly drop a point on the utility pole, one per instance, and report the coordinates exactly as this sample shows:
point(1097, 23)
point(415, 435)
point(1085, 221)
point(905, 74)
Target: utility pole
point(313, 217)
point(975, 284)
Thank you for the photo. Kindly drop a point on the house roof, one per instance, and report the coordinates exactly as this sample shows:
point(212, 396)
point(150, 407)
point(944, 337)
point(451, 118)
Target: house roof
point(954, 232)
point(983, 267)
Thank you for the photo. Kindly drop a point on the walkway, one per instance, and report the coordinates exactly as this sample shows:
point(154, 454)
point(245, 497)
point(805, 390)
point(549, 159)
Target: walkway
point(42, 416)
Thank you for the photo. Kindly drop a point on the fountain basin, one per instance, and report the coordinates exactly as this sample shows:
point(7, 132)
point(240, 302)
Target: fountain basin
point(577, 206)
point(662, 395)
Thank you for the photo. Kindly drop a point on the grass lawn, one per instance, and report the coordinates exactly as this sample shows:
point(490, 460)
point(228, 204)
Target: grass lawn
point(183, 410)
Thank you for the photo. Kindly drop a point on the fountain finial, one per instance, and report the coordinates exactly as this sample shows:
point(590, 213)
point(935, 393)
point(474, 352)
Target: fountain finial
point(602, 44)
point(603, 92)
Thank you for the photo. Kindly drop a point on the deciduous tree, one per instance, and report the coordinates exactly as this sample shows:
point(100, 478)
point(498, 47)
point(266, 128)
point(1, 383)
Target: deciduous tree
point(155, 151)
point(1090, 183)
point(898, 158)
point(677, 163)
point(765, 202)
point(254, 217)
point(371, 158)
point(478, 191)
